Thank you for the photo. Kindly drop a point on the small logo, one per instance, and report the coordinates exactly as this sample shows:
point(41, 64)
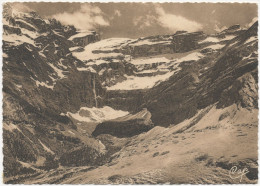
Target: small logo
point(235, 173)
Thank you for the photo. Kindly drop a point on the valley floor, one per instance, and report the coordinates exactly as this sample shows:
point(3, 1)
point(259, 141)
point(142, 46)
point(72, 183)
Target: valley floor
point(202, 150)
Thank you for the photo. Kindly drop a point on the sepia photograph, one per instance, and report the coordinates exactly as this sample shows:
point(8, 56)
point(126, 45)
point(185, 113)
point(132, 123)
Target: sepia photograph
point(129, 93)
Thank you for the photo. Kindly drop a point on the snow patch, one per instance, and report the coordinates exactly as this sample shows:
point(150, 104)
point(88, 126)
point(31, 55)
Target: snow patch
point(26, 23)
point(106, 44)
point(18, 86)
point(71, 132)
point(46, 21)
point(57, 33)
point(58, 71)
point(17, 39)
point(111, 43)
point(61, 64)
point(210, 39)
point(42, 54)
point(31, 34)
point(101, 71)
point(97, 115)
point(149, 42)
point(150, 61)
point(97, 62)
point(249, 57)
point(81, 34)
point(147, 71)
point(133, 82)
point(45, 147)
point(230, 45)
point(38, 83)
point(252, 38)
point(215, 47)
point(73, 48)
point(190, 57)
point(229, 37)
point(29, 49)
point(88, 55)
point(10, 127)
point(89, 69)
point(5, 55)
point(55, 45)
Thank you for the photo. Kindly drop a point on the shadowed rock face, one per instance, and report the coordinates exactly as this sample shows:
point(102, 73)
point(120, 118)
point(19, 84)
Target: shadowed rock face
point(85, 39)
point(242, 91)
point(126, 126)
point(182, 95)
point(125, 100)
point(40, 82)
point(45, 72)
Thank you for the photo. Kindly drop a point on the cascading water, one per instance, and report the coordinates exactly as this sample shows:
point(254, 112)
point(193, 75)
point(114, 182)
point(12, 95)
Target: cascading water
point(94, 91)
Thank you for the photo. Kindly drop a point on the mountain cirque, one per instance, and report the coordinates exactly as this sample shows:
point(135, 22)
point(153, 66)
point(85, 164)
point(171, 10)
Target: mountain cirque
point(178, 108)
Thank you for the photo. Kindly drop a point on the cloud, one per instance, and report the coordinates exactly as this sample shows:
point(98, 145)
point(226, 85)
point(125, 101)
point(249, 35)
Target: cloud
point(89, 17)
point(21, 7)
point(137, 20)
point(117, 13)
point(175, 22)
point(14, 8)
point(143, 22)
point(159, 18)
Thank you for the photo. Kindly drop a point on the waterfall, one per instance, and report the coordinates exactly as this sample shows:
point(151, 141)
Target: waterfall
point(94, 91)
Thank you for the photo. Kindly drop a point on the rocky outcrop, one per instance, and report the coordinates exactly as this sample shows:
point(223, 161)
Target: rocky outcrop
point(243, 92)
point(81, 157)
point(232, 30)
point(126, 126)
point(154, 45)
point(84, 38)
point(113, 72)
point(125, 99)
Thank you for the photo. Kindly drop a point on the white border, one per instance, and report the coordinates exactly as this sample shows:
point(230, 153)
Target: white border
point(117, 1)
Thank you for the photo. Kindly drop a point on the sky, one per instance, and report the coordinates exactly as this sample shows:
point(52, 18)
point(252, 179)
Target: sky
point(134, 20)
